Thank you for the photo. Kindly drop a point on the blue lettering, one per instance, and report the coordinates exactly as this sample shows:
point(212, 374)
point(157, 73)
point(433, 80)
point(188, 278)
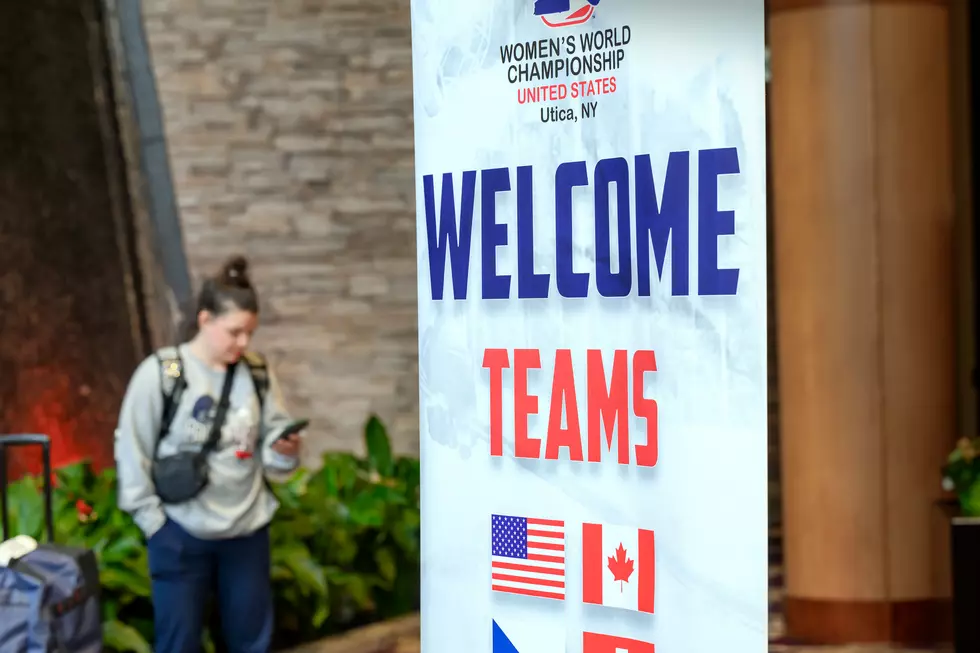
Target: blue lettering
point(670, 221)
point(495, 286)
point(530, 284)
point(659, 222)
point(713, 223)
point(567, 177)
point(609, 283)
point(459, 248)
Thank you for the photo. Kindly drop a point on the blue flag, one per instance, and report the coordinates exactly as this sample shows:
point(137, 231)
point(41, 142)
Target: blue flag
point(545, 7)
point(543, 632)
point(502, 643)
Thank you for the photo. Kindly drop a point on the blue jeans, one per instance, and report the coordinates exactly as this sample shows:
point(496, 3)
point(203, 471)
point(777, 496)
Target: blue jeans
point(184, 570)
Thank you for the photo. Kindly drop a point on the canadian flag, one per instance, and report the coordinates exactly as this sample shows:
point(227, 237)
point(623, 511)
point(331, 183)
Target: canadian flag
point(618, 567)
point(596, 643)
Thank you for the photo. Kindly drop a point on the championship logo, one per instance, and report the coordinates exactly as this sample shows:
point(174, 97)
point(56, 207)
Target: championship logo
point(562, 13)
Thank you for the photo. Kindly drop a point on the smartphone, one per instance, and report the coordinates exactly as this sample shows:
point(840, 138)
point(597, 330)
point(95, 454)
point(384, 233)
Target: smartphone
point(293, 428)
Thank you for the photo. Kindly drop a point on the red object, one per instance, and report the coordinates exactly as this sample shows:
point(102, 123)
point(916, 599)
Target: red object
point(83, 509)
point(608, 407)
point(243, 455)
point(596, 643)
point(620, 564)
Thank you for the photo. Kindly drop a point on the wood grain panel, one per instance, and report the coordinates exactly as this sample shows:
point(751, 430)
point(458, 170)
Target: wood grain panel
point(822, 141)
point(776, 6)
point(863, 221)
point(922, 622)
point(914, 194)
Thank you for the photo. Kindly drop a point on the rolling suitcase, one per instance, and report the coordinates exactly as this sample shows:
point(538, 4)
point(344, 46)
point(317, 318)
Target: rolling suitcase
point(49, 595)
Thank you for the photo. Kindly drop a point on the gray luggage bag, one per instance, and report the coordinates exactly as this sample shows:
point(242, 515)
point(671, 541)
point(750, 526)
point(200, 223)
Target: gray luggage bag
point(49, 597)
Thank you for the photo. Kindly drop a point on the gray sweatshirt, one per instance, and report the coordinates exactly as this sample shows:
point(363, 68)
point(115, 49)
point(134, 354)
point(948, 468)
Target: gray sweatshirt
point(236, 501)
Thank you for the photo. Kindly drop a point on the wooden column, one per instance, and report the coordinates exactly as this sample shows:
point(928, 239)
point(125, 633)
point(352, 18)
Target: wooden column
point(863, 220)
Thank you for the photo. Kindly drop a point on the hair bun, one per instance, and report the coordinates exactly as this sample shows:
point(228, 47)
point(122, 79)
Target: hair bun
point(235, 272)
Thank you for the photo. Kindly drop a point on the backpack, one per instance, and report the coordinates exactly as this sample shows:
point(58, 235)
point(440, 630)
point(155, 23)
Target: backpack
point(172, 369)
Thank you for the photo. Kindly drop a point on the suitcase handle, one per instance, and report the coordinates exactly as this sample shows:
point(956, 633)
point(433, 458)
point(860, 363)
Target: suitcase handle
point(28, 440)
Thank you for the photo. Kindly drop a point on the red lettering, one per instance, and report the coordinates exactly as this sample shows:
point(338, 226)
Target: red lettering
point(563, 396)
point(496, 360)
point(525, 404)
point(601, 86)
point(532, 94)
point(643, 362)
point(608, 407)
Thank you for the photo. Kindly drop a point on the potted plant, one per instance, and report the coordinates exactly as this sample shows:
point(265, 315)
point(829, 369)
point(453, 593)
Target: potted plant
point(961, 475)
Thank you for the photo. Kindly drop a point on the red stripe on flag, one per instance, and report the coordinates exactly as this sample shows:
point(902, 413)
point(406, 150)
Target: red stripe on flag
point(646, 588)
point(546, 545)
point(532, 568)
point(560, 584)
point(592, 563)
point(559, 536)
point(545, 522)
point(533, 557)
point(534, 593)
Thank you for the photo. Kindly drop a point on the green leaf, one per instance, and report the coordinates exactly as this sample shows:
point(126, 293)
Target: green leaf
point(378, 446)
point(124, 639)
point(126, 580)
point(308, 574)
point(366, 510)
point(26, 508)
point(281, 572)
point(109, 609)
point(387, 567)
point(321, 616)
point(357, 587)
point(75, 479)
point(66, 526)
point(122, 548)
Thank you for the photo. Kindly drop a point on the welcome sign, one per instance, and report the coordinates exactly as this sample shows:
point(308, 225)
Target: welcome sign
point(592, 324)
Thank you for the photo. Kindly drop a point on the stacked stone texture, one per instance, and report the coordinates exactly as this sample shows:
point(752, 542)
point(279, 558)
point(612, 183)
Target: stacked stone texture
point(289, 125)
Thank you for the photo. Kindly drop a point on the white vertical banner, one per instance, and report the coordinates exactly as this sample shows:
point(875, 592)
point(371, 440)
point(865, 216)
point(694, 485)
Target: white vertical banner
point(592, 325)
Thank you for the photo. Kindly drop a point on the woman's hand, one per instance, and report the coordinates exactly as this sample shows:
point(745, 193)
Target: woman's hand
point(288, 446)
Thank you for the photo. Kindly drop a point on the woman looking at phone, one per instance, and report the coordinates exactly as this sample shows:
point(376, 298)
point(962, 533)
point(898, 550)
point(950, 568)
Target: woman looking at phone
point(197, 440)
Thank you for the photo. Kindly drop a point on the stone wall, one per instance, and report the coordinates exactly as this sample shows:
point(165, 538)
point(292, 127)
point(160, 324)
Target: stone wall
point(289, 125)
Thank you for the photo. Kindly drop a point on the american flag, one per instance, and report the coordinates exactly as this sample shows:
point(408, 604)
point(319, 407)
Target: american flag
point(528, 556)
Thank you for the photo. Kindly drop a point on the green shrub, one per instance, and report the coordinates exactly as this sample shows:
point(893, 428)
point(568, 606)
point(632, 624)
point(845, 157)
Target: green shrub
point(345, 543)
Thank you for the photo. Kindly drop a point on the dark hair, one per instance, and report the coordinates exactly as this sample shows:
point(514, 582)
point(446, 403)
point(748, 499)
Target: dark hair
point(230, 289)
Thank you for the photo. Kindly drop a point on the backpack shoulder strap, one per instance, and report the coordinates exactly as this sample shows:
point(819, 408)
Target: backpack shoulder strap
point(259, 370)
point(173, 385)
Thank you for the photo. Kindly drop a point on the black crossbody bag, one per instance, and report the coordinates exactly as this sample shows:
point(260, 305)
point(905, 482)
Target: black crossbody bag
point(184, 475)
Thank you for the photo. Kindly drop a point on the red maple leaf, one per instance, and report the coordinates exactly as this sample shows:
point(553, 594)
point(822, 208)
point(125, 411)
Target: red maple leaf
point(620, 566)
